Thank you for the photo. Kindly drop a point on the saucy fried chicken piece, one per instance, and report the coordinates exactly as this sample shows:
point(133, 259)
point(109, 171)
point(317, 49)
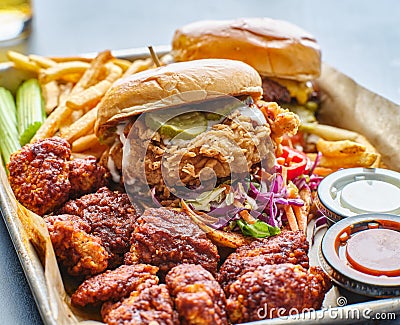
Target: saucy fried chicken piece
point(287, 247)
point(43, 176)
point(281, 121)
point(113, 285)
point(111, 217)
point(166, 238)
point(269, 289)
point(150, 306)
point(76, 249)
point(198, 297)
point(39, 174)
point(86, 176)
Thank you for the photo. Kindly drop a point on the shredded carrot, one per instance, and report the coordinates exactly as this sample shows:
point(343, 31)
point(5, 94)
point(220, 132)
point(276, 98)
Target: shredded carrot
point(284, 175)
point(301, 217)
point(323, 171)
point(291, 218)
point(247, 217)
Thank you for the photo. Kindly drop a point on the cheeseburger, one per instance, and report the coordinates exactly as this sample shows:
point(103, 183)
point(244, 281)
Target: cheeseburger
point(191, 131)
point(287, 57)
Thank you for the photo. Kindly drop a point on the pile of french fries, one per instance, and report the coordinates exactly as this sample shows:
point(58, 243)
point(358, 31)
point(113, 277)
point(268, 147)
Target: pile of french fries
point(72, 87)
point(339, 148)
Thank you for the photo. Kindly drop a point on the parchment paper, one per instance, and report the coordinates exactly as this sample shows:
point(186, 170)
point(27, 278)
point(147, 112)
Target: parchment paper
point(344, 104)
point(347, 105)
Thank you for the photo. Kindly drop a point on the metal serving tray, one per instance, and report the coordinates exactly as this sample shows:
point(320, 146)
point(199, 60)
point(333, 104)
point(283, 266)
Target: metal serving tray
point(34, 270)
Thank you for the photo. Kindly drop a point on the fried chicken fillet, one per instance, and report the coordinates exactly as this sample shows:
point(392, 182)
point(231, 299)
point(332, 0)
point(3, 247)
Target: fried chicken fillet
point(79, 252)
point(111, 217)
point(261, 293)
point(43, 176)
point(39, 174)
point(150, 306)
point(287, 247)
point(86, 176)
point(166, 238)
point(198, 297)
point(113, 285)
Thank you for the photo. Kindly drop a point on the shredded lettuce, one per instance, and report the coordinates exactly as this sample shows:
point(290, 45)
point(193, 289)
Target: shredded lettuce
point(203, 201)
point(259, 229)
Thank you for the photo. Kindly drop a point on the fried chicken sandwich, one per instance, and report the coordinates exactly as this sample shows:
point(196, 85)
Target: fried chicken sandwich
point(287, 57)
point(193, 131)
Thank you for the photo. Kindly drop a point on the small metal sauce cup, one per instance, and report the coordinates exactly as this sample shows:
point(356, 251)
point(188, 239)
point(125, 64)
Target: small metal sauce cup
point(354, 191)
point(370, 267)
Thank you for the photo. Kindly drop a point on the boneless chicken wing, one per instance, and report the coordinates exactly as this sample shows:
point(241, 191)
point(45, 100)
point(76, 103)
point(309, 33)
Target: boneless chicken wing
point(166, 238)
point(79, 252)
point(149, 306)
point(43, 176)
point(86, 176)
point(272, 289)
point(113, 285)
point(111, 217)
point(198, 297)
point(287, 247)
point(39, 174)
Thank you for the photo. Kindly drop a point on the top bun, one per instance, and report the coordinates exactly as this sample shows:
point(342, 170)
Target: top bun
point(274, 48)
point(150, 89)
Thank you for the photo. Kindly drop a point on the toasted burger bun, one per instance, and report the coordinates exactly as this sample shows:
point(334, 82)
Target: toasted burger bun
point(274, 48)
point(143, 91)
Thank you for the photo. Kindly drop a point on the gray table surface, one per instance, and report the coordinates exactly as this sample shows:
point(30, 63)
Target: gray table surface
point(361, 38)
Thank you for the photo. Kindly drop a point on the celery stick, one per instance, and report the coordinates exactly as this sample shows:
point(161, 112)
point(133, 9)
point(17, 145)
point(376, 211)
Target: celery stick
point(30, 110)
point(8, 125)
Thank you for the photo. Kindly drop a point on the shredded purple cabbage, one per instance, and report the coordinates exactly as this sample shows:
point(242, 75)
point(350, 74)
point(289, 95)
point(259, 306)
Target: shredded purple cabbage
point(263, 201)
point(154, 198)
point(316, 162)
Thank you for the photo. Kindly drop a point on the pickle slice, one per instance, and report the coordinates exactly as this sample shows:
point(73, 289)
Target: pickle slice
point(186, 125)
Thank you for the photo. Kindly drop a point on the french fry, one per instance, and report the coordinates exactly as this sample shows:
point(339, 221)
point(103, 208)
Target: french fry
point(96, 152)
point(291, 218)
point(65, 90)
point(302, 212)
point(69, 78)
point(218, 237)
point(52, 123)
point(138, 66)
point(332, 133)
point(81, 127)
point(91, 75)
point(22, 61)
point(75, 115)
point(58, 71)
point(42, 61)
point(339, 148)
point(123, 64)
point(85, 143)
point(364, 159)
point(284, 174)
point(228, 239)
point(51, 92)
point(89, 97)
point(60, 59)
